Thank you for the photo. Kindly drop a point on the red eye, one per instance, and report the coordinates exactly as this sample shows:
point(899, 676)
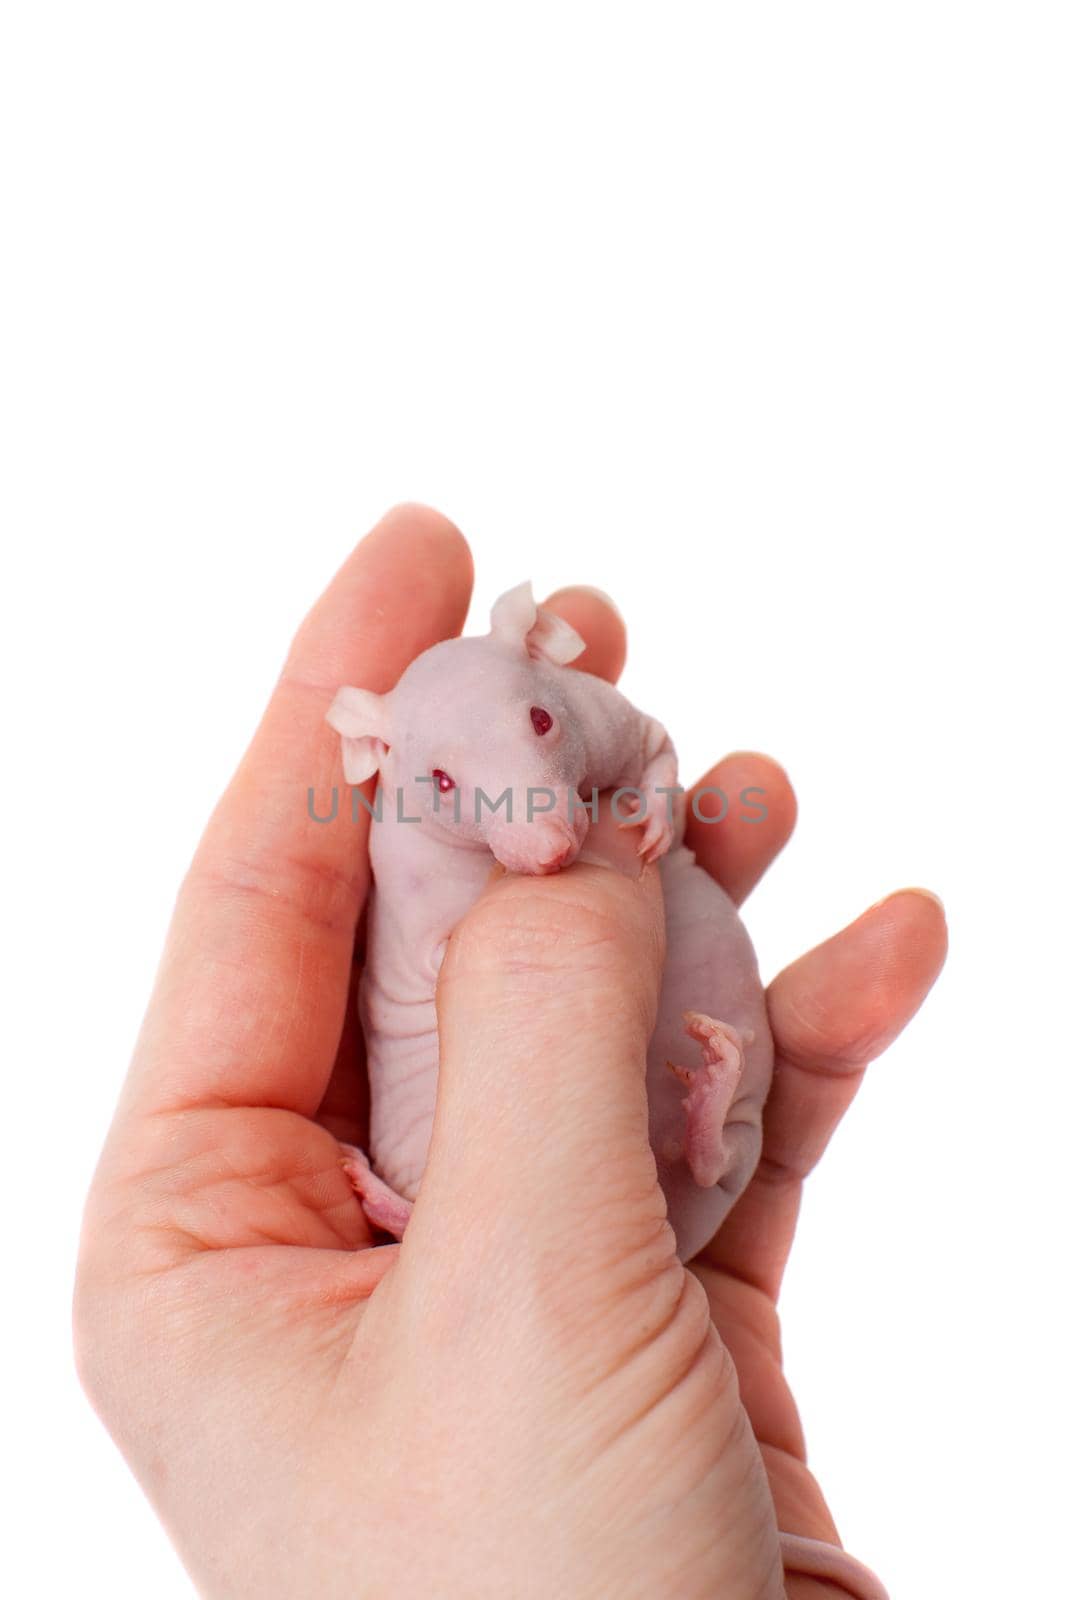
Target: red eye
point(441, 781)
point(541, 720)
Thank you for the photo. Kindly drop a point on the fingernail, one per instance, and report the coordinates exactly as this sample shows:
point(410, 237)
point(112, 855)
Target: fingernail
point(927, 894)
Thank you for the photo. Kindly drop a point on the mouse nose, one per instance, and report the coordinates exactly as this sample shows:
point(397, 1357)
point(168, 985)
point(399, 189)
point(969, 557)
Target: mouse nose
point(555, 850)
point(539, 845)
point(554, 859)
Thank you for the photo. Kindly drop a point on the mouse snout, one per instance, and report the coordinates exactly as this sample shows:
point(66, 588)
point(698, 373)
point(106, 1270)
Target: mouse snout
point(555, 851)
point(546, 844)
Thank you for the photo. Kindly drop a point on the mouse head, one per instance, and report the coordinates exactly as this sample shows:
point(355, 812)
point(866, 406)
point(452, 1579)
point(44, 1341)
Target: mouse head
point(483, 738)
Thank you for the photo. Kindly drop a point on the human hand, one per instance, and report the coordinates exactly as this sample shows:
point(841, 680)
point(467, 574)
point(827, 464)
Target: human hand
point(529, 1395)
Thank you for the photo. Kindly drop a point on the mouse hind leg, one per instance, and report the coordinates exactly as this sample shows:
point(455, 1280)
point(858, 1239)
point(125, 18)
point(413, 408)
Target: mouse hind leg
point(382, 1206)
point(711, 1090)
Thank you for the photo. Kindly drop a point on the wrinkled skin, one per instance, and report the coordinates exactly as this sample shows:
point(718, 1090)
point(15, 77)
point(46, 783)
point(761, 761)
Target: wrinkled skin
point(519, 740)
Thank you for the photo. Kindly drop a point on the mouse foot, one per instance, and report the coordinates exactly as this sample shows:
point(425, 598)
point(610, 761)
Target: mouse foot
point(382, 1206)
point(711, 1090)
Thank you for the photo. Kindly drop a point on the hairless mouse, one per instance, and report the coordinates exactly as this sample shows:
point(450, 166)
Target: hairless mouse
point(496, 747)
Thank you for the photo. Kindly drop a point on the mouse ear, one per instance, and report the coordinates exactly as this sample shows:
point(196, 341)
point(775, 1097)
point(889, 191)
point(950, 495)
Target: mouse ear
point(361, 718)
point(514, 614)
point(517, 619)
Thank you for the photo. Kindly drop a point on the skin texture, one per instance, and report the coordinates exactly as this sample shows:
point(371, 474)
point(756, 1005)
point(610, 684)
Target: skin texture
point(504, 717)
point(470, 1412)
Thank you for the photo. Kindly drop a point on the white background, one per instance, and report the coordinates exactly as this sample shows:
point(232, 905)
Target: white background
point(752, 315)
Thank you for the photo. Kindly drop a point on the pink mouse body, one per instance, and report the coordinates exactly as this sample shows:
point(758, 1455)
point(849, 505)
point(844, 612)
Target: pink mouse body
point(503, 722)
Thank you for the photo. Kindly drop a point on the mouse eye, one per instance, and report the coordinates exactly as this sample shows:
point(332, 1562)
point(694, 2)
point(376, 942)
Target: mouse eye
point(441, 781)
point(541, 720)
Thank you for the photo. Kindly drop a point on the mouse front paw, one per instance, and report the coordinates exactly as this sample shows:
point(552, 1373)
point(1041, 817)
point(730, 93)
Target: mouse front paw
point(653, 815)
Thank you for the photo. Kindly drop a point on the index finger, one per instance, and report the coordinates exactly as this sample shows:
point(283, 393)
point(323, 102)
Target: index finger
point(250, 997)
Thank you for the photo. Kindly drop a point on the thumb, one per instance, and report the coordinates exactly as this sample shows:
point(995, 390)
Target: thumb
point(546, 1002)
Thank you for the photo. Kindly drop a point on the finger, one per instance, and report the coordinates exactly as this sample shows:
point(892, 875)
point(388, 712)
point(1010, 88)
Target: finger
point(831, 1012)
point(546, 1002)
point(251, 993)
point(592, 614)
point(757, 810)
